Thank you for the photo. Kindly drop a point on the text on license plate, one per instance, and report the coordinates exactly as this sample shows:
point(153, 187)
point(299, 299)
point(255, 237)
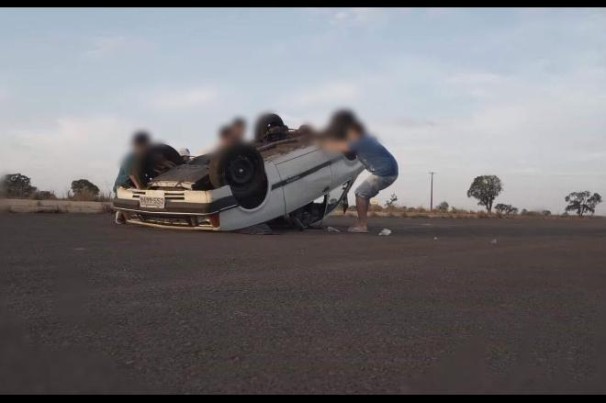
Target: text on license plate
point(151, 202)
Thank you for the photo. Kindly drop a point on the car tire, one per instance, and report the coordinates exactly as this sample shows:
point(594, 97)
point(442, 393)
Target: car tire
point(146, 166)
point(264, 124)
point(242, 168)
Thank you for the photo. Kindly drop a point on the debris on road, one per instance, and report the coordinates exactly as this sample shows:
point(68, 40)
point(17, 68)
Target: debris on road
point(435, 238)
point(494, 241)
point(385, 232)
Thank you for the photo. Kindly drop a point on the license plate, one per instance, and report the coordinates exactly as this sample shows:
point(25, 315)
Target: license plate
point(151, 202)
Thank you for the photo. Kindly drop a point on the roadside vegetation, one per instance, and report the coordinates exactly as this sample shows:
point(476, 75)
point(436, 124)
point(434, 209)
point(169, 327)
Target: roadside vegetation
point(449, 212)
point(485, 189)
point(18, 186)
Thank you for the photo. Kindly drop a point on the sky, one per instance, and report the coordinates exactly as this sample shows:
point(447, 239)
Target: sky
point(518, 93)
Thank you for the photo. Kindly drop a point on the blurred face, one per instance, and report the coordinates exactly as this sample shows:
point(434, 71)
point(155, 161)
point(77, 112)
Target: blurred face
point(140, 148)
point(238, 131)
point(226, 142)
point(227, 138)
point(353, 134)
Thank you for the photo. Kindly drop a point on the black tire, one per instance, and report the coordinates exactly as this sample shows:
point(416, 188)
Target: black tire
point(241, 168)
point(265, 124)
point(147, 166)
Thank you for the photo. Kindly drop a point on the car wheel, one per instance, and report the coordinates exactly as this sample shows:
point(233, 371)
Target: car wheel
point(265, 124)
point(241, 168)
point(158, 159)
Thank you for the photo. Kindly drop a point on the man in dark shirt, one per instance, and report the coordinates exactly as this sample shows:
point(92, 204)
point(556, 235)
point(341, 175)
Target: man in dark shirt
point(128, 175)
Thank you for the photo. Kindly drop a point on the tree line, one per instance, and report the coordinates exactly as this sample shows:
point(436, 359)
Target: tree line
point(19, 186)
point(484, 188)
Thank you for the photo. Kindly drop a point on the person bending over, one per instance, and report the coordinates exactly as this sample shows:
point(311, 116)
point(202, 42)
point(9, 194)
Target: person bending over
point(351, 136)
point(128, 175)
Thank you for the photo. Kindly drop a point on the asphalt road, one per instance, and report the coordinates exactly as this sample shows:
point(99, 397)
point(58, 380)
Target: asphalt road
point(90, 307)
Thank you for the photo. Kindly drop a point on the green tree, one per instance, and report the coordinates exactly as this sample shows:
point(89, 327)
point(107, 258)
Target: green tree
point(506, 209)
point(485, 188)
point(582, 202)
point(16, 186)
point(83, 187)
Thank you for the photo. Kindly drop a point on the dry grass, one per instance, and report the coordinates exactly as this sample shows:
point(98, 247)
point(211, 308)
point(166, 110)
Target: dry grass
point(87, 196)
point(84, 196)
point(43, 195)
point(411, 212)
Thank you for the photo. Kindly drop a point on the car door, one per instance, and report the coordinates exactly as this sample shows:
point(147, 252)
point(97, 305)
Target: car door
point(305, 175)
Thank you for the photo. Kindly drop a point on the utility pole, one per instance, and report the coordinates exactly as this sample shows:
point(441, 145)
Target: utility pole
point(431, 192)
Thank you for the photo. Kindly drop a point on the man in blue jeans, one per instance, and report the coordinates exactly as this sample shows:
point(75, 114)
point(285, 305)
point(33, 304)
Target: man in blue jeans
point(383, 167)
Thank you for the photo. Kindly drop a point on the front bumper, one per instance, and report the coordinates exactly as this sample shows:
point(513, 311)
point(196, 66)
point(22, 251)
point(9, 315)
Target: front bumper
point(182, 208)
point(177, 208)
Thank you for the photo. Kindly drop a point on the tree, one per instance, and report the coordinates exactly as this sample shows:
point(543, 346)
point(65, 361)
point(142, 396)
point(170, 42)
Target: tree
point(582, 202)
point(16, 186)
point(443, 207)
point(506, 209)
point(485, 188)
point(391, 202)
point(44, 195)
point(83, 187)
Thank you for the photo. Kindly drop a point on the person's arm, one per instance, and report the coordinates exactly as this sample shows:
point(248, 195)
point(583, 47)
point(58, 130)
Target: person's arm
point(135, 180)
point(335, 145)
point(133, 173)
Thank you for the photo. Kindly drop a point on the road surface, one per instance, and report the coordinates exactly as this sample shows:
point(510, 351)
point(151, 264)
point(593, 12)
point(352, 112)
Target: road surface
point(438, 306)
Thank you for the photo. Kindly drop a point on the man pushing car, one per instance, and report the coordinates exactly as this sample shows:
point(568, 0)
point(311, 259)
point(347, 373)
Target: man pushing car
point(348, 134)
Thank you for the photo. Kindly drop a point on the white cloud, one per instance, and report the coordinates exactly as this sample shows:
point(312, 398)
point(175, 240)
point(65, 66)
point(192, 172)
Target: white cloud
point(356, 17)
point(333, 93)
point(183, 99)
point(541, 132)
point(106, 46)
point(407, 122)
point(543, 138)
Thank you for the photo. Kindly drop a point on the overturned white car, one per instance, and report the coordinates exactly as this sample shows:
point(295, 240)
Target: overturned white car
point(284, 177)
